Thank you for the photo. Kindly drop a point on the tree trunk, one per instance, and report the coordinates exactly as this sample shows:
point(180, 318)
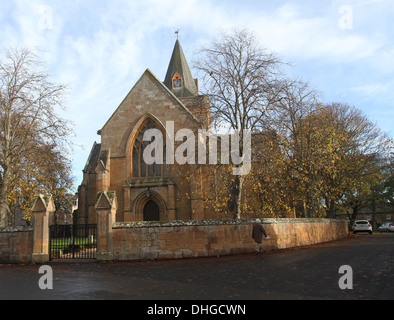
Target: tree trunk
point(238, 183)
point(3, 213)
point(309, 203)
point(3, 199)
point(355, 212)
point(373, 205)
point(331, 209)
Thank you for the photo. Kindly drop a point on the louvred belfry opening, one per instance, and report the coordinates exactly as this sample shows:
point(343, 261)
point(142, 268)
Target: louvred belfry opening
point(177, 81)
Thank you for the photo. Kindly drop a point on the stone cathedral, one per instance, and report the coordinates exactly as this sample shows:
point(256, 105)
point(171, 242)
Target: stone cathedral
point(147, 192)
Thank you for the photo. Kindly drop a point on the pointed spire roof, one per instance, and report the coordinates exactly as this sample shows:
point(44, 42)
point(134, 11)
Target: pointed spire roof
point(178, 69)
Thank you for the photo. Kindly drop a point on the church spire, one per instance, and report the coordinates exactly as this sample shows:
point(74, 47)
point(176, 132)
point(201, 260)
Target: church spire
point(179, 78)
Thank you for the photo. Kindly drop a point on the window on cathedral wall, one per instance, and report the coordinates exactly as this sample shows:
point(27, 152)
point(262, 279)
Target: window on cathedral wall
point(140, 168)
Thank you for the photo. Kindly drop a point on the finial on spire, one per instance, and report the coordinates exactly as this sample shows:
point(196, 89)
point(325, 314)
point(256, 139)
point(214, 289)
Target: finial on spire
point(177, 34)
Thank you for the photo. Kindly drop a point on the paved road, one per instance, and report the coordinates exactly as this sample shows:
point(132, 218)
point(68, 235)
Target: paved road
point(303, 273)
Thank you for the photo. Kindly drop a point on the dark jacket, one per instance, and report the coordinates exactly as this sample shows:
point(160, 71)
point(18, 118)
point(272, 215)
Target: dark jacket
point(258, 232)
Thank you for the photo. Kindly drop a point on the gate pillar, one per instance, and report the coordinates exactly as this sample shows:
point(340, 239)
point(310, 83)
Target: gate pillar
point(43, 210)
point(106, 206)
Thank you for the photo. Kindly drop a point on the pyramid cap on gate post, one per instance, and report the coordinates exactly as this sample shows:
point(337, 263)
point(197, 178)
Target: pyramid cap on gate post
point(43, 203)
point(106, 200)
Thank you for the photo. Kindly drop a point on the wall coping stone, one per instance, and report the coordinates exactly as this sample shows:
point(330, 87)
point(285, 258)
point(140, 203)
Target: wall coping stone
point(16, 229)
point(180, 223)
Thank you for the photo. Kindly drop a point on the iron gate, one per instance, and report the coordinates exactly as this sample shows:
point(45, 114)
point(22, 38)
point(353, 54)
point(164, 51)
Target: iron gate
point(72, 242)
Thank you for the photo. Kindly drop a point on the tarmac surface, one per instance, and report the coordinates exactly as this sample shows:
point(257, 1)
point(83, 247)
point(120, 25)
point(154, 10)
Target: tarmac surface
point(308, 273)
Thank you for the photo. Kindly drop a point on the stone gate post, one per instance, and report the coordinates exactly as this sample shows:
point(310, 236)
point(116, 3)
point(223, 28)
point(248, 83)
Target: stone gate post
point(43, 208)
point(106, 206)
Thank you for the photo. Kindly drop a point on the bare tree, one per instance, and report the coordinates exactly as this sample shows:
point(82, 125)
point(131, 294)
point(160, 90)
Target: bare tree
point(242, 81)
point(29, 102)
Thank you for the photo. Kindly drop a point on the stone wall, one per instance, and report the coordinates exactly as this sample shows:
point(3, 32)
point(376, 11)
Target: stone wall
point(29, 244)
point(141, 241)
point(16, 245)
point(192, 239)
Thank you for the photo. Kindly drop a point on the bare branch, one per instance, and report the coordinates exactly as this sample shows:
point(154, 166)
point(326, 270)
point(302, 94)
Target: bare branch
point(29, 104)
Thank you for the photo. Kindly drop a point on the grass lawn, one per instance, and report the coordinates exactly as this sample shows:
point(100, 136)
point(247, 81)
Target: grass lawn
point(65, 243)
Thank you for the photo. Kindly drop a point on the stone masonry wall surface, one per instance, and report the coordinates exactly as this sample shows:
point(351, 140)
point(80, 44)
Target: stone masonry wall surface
point(141, 241)
point(16, 245)
point(192, 239)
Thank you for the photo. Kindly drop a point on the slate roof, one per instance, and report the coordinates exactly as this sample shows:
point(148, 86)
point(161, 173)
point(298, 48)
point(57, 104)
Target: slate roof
point(93, 158)
point(179, 64)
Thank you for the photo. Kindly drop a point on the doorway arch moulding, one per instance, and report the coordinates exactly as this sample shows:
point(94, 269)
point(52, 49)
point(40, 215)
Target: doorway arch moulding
point(137, 193)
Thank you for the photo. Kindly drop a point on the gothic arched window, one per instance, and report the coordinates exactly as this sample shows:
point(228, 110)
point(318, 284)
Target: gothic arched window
point(140, 168)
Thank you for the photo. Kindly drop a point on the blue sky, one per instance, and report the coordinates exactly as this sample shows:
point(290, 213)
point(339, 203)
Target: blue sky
point(100, 48)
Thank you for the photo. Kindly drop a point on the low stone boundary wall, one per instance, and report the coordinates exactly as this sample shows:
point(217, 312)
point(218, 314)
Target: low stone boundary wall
point(192, 239)
point(142, 241)
point(16, 245)
point(29, 244)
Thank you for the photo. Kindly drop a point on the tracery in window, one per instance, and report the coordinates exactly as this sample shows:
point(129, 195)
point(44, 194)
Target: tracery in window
point(140, 168)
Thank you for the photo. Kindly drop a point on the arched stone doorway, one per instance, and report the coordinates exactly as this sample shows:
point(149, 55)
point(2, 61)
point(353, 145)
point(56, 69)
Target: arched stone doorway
point(151, 211)
point(150, 206)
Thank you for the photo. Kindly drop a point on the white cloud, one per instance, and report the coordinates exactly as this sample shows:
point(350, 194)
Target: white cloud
point(290, 32)
point(371, 89)
point(102, 48)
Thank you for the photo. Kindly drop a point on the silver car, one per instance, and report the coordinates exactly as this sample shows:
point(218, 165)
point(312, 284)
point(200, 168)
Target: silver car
point(385, 227)
point(362, 226)
point(390, 228)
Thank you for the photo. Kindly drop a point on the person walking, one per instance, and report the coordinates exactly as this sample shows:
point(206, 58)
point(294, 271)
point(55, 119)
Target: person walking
point(257, 235)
